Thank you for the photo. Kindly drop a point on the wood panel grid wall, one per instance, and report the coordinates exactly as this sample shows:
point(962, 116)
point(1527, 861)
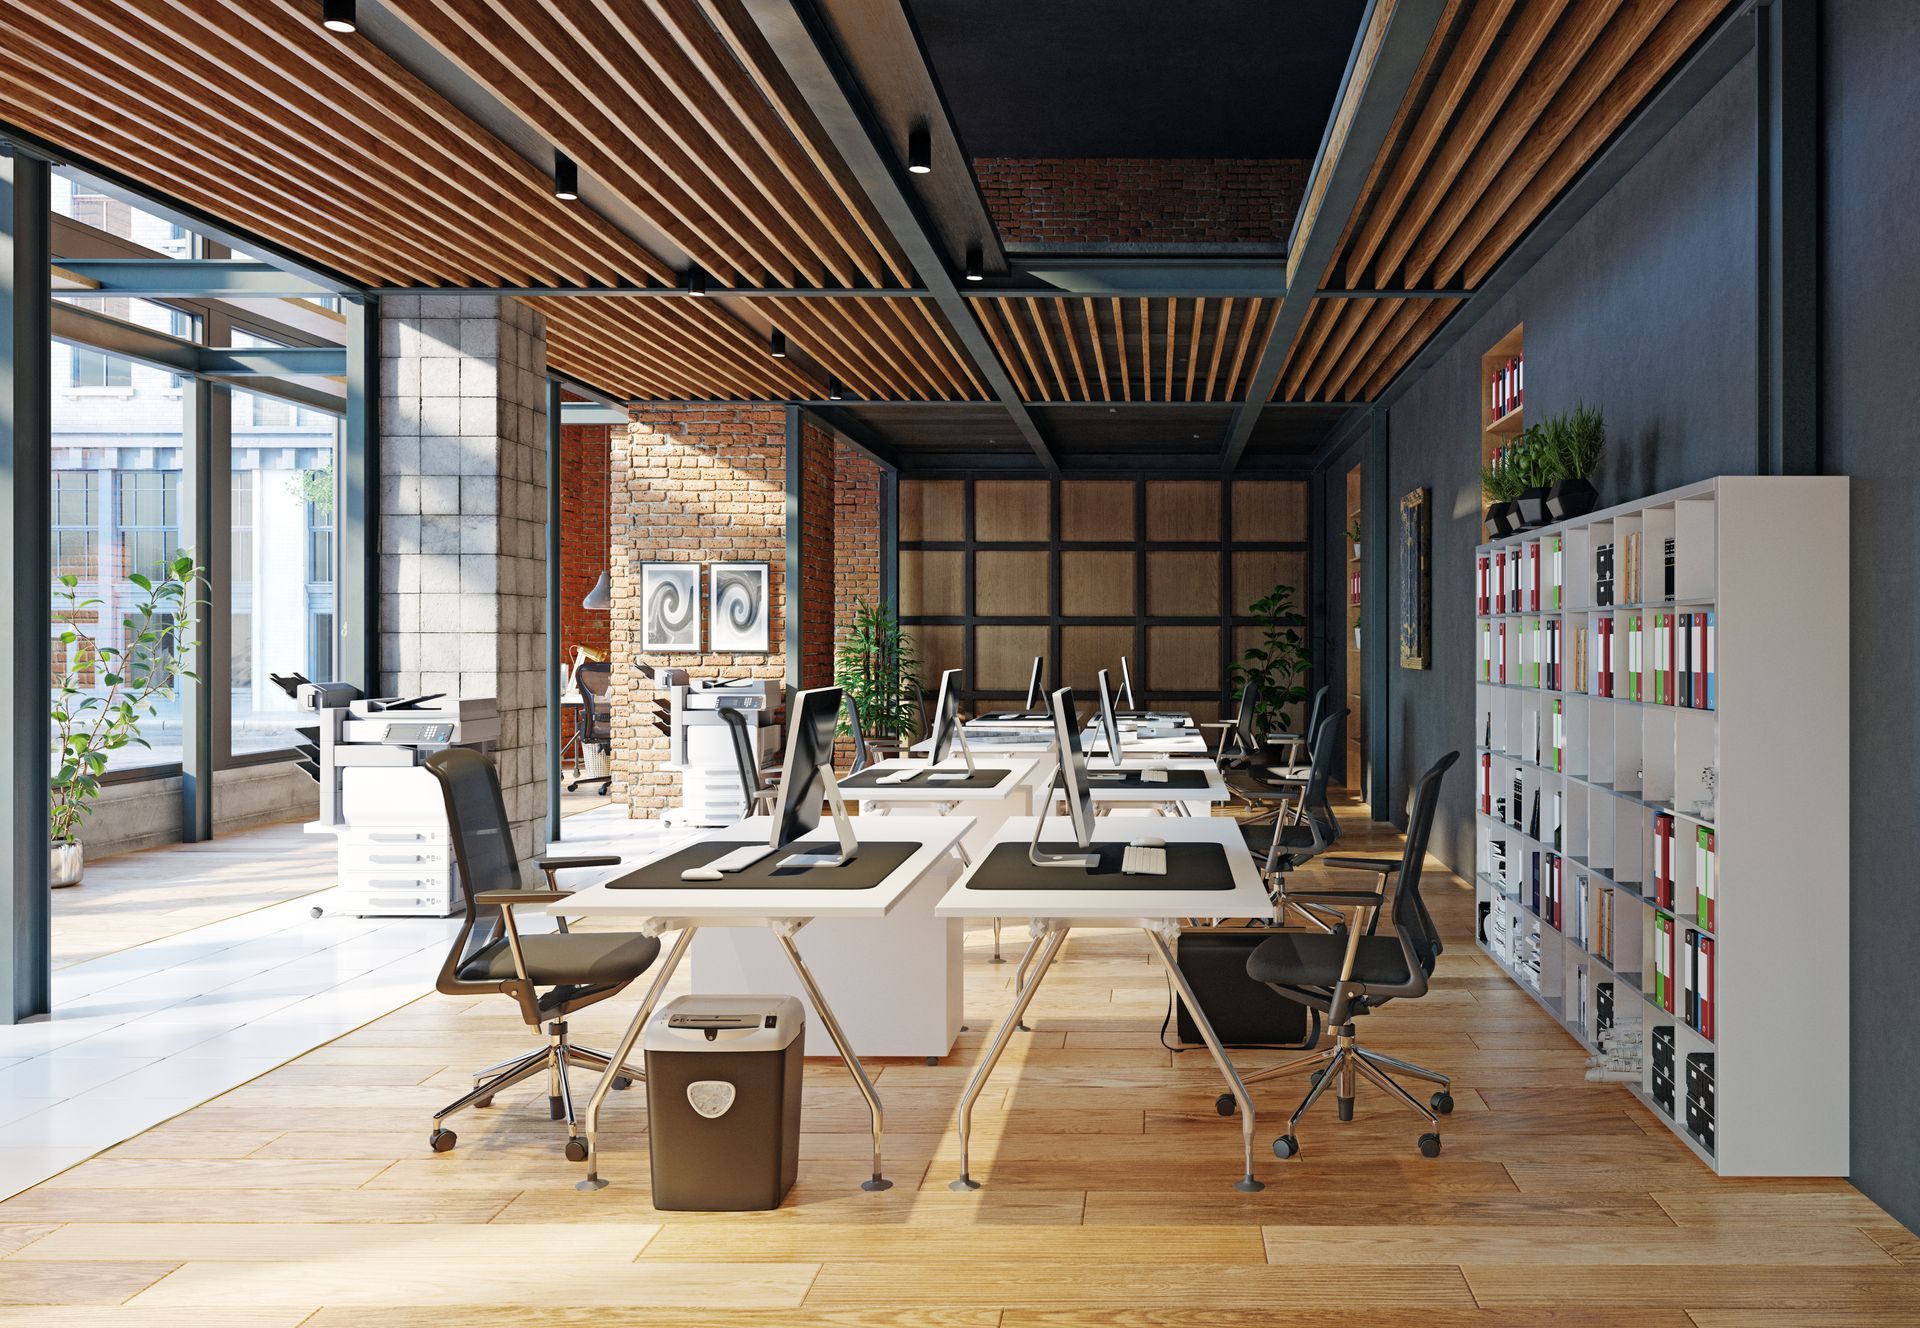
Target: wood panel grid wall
point(1164, 571)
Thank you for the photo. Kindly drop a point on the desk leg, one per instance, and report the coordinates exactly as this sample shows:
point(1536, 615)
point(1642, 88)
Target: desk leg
point(617, 1062)
point(1246, 1183)
point(1055, 938)
point(825, 1011)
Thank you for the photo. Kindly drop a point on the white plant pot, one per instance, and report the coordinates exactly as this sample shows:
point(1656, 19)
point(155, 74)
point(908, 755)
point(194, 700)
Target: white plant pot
point(65, 865)
point(1356, 638)
point(1356, 550)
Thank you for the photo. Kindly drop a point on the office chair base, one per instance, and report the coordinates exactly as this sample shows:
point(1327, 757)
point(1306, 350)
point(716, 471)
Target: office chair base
point(554, 1060)
point(963, 1184)
point(878, 1182)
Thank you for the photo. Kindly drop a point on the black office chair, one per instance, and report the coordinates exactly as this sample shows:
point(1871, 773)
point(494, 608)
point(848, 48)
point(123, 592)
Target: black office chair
point(862, 757)
point(550, 974)
point(759, 784)
point(594, 679)
point(1241, 740)
point(1304, 830)
point(1346, 976)
point(1291, 743)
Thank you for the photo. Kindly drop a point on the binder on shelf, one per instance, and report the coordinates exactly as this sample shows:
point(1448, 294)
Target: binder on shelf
point(1533, 816)
point(1603, 575)
point(1582, 920)
point(1689, 989)
point(1630, 585)
point(1663, 860)
point(1556, 571)
point(1664, 961)
point(1577, 659)
point(1499, 585)
point(1707, 654)
point(1500, 654)
point(1603, 657)
point(1559, 735)
point(1486, 783)
point(1486, 576)
point(1533, 882)
point(1683, 672)
point(1634, 647)
point(1603, 924)
point(1706, 870)
point(1660, 658)
point(1706, 1003)
point(1531, 577)
point(1667, 581)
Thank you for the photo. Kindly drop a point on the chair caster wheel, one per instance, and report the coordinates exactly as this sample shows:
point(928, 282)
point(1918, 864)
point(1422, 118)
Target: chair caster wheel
point(1316, 1076)
point(1286, 1146)
point(442, 1141)
point(1442, 1102)
point(576, 1150)
point(484, 1102)
point(1224, 1104)
point(316, 912)
point(1429, 1145)
point(621, 1084)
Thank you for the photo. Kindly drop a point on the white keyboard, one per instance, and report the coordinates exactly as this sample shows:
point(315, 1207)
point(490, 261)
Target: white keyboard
point(1153, 776)
point(904, 776)
point(727, 863)
point(1142, 860)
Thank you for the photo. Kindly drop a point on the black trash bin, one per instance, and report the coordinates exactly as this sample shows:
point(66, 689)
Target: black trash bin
point(723, 1101)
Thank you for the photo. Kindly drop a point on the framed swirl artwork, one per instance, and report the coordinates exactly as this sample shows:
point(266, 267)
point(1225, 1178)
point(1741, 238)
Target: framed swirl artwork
point(1416, 579)
point(738, 607)
point(670, 607)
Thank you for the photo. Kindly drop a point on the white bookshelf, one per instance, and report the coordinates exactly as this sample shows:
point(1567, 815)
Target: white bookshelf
point(1768, 558)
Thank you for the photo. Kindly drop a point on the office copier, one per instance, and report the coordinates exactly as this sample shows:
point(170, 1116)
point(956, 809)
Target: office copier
point(701, 742)
point(378, 798)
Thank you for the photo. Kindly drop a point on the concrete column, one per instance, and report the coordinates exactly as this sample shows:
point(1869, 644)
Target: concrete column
point(462, 509)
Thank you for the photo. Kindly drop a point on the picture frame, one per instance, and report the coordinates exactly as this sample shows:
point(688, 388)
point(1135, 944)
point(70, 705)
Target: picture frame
point(740, 607)
point(670, 608)
point(1416, 580)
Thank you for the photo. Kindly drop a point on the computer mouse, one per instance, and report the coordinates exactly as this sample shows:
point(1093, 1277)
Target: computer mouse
point(1150, 841)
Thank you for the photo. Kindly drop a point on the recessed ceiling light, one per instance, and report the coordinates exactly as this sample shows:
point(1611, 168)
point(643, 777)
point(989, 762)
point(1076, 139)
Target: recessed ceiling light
point(975, 268)
point(777, 345)
point(566, 178)
point(338, 16)
point(696, 281)
point(920, 150)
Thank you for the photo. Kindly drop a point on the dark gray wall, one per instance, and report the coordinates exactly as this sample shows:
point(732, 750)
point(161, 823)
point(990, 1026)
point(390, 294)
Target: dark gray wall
point(1871, 365)
point(1647, 310)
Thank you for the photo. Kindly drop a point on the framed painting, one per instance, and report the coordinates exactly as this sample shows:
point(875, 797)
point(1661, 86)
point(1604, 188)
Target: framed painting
point(739, 608)
point(670, 607)
point(1416, 580)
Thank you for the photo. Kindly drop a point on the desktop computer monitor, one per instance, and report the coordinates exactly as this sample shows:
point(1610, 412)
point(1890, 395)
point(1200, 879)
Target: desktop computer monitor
point(1069, 773)
point(1033, 683)
point(1126, 684)
point(947, 730)
point(1109, 724)
point(806, 776)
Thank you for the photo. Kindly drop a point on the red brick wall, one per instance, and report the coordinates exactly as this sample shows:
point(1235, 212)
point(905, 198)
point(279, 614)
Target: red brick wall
point(856, 532)
point(583, 539)
point(1069, 203)
point(818, 552)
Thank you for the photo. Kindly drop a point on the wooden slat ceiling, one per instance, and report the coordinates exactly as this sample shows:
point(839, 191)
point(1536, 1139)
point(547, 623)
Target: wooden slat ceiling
point(1131, 349)
point(1516, 97)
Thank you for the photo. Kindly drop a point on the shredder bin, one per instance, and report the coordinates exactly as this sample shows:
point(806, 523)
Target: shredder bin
point(723, 1101)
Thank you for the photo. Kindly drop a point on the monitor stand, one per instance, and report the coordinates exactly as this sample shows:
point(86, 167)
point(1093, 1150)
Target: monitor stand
point(1038, 856)
point(842, 826)
point(936, 775)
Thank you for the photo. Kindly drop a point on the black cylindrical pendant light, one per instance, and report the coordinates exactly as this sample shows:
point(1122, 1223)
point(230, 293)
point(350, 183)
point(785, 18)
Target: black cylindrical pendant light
point(777, 344)
point(920, 150)
point(338, 16)
point(566, 177)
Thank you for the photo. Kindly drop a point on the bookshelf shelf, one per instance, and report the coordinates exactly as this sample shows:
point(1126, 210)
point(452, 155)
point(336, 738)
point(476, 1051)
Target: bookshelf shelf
point(1743, 910)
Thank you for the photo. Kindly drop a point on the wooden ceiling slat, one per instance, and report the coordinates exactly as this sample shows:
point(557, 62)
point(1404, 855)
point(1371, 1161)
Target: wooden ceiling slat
point(1173, 319)
point(1377, 319)
point(601, 147)
point(1007, 313)
point(1314, 331)
point(743, 36)
point(1499, 73)
point(1221, 321)
point(1069, 330)
point(1046, 344)
point(848, 358)
point(877, 319)
point(1099, 350)
point(931, 317)
point(1425, 325)
point(1658, 54)
point(852, 328)
point(476, 161)
point(1236, 388)
point(935, 365)
point(1633, 23)
point(1550, 69)
point(1193, 345)
point(618, 335)
point(1483, 24)
point(1346, 325)
point(987, 311)
point(1146, 352)
point(1120, 341)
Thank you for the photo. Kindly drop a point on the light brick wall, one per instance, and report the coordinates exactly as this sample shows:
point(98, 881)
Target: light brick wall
point(462, 504)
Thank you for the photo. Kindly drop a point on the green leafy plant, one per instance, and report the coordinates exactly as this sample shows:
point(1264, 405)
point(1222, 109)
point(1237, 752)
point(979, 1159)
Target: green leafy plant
point(102, 693)
point(316, 487)
point(1278, 662)
point(1577, 441)
point(1353, 530)
point(1501, 479)
point(1532, 457)
point(875, 665)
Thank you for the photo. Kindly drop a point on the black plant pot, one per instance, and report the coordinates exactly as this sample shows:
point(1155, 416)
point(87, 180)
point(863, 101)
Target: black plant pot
point(1533, 507)
point(1503, 519)
point(1571, 498)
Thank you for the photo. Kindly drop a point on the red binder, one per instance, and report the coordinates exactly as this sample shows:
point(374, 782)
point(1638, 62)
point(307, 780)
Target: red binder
point(1663, 860)
point(1704, 982)
point(1486, 783)
point(1485, 570)
point(1533, 578)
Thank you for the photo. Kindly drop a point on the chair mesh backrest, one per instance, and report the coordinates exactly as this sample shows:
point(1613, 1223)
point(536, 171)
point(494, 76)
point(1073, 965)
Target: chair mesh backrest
point(594, 678)
point(1312, 729)
point(1246, 722)
point(745, 759)
point(861, 757)
point(1410, 914)
point(482, 842)
point(1322, 742)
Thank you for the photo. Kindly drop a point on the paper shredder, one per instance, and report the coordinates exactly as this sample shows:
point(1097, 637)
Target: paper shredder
point(723, 1101)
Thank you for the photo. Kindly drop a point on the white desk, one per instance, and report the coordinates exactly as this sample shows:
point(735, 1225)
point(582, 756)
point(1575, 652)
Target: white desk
point(1154, 911)
point(862, 974)
point(1012, 795)
point(1166, 799)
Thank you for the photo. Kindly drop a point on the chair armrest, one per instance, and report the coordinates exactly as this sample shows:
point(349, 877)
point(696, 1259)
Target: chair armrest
point(508, 898)
point(1384, 866)
point(1336, 898)
point(565, 864)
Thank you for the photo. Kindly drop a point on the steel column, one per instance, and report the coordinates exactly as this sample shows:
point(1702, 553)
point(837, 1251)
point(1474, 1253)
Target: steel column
point(1375, 660)
point(197, 694)
point(359, 500)
point(890, 539)
point(553, 610)
point(796, 516)
point(26, 465)
point(1787, 120)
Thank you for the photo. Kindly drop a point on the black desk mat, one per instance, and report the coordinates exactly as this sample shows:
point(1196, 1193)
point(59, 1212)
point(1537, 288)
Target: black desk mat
point(875, 861)
point(1136, 779)
point(1010, 716)
point(1189, 867)
point(981, 778)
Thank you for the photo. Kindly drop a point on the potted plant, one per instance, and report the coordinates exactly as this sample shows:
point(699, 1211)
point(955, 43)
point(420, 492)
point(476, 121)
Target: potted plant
point(1501, 483)
point(1579, 440)
point(101, 694)
point(1533, 458)
point(1277, 662)
point(1353, 534)
point(875, 665)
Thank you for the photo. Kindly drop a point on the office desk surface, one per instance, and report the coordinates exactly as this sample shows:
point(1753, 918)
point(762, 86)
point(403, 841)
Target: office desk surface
point(1136, 791)
point(1018, 770)
point(1183, 742)
point(936, 835)
point(1247, 899)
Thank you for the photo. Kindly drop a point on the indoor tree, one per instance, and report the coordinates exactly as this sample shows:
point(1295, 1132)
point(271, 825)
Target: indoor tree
point(1278, 662)
point(875, 665)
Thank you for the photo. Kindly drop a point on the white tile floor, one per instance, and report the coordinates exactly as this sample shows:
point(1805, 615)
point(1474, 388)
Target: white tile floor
point(157, 1029)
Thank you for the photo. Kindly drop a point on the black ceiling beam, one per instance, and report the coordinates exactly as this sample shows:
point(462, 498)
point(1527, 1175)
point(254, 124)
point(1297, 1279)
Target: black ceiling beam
point(793, 29)
point(917, 404)
point(1713, 57)
point(857, 434)
point(669, 292)
point(1345, 165)
point(918, 462)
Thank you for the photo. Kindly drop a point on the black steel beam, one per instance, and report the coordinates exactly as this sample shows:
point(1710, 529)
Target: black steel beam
point(1713, 57)
point(890, 539)
point(665, 292)
point(793, 28)
point(1787, 37)
point(26, 572)
point(359, 499)
point(273, 361)
point(1162, 465)
point(1339, 293)
point(193, 278)
point(1345, 165)
point(857, 434)
point(1376, 651)
point(796, 518)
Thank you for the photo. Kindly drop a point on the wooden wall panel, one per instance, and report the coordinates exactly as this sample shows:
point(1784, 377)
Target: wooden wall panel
point(1183, 510)
point(932, 583)
point(933, 510)
point(1010, 584)
point(1269, 510)
point(1003, 656)
point(1097, 510)
point(1255, 572)
point(1011, 510)
point(939, 648)
point(1182, 585)
point(1084, 651)
point(1096, 583)
point(1182, 659)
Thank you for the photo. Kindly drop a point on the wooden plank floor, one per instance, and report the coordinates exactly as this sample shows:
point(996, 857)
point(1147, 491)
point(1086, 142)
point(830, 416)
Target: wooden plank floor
point(308, 1196)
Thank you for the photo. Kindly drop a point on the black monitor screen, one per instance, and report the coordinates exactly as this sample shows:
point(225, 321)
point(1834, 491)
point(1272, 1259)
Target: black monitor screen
point(1108, 724)
point(946, 716)
point(1073, 766)
point(1033, 683)
point(815, 716)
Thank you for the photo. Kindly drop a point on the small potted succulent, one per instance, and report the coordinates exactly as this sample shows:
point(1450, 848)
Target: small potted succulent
point(1578, 441)
point(1501, 482)
point(1353, 536)
point(1533, 457)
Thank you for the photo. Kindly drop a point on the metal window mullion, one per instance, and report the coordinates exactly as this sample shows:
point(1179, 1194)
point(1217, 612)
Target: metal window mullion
point(197, 538)
point(357, 506)
point(553, 610)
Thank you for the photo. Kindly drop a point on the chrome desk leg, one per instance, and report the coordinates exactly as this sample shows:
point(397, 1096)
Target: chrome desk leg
point(1054, 938)
point(620, 1054)
point(825, 1011)
point(997, 957)
point(1246, 1182)
point(1020, 973)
